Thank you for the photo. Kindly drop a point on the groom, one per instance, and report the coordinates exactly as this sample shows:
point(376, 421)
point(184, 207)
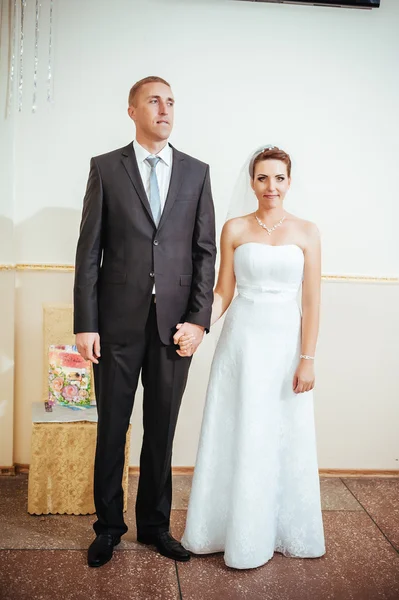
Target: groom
point(144, 264)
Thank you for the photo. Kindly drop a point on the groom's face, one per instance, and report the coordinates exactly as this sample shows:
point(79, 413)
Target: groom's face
point(153, 111)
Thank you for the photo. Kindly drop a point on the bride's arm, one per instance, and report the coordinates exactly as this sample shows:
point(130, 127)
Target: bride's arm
point(224, 290)
point(305, 377)
point(311, 292)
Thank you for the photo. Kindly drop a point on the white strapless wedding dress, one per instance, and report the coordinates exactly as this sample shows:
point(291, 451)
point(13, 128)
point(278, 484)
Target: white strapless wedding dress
point(256, 487)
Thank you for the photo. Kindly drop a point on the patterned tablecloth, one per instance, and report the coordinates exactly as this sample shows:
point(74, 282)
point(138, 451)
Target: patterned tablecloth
point(62, 461)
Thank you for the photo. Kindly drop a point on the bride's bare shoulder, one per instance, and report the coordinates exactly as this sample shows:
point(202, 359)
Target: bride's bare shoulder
point(307, 228)
point(235, 227)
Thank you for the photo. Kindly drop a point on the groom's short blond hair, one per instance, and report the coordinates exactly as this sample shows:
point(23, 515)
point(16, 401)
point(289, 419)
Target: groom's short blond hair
point(139, 84)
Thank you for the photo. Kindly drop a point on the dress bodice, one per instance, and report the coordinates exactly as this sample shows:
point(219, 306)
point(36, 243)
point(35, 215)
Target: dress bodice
point(268, 273)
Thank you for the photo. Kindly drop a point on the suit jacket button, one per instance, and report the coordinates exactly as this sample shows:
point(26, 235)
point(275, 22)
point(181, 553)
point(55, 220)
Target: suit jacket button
point(152, 274)
point(156, 242)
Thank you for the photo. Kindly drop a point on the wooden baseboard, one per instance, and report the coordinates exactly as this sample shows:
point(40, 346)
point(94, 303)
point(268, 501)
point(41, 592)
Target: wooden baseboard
point(346, 473)
point(358, 473)
point(7, 471)
point(20, 468)
point(175, 470)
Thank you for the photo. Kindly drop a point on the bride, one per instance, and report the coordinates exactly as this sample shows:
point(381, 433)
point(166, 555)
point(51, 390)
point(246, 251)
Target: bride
point(256, 488)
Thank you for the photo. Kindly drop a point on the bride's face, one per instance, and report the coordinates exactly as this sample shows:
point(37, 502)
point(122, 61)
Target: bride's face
point(270, 183)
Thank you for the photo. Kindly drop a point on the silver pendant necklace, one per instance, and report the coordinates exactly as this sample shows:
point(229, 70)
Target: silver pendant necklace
point(269, 229)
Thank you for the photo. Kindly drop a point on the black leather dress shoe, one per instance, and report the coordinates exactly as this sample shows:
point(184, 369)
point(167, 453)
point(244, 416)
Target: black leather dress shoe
point(166, 545)
point(101, 550)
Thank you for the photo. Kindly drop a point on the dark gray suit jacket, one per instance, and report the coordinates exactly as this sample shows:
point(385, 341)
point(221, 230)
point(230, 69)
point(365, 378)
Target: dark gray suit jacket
point(121, 253)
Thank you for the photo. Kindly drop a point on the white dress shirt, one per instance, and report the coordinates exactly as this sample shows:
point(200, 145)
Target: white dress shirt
point(163, 171)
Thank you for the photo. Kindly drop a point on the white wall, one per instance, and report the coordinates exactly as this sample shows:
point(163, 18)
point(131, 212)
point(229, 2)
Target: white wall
point(7, 277)
point(356, 398)
point(319, 82)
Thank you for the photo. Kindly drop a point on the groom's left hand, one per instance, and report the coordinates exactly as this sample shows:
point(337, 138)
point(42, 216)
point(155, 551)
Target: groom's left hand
point(188, 337)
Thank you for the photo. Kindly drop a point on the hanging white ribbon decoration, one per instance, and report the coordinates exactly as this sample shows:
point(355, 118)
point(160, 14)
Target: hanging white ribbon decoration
point(36, 58)
point(21, 54)
point(50, 57)
point(12, 20)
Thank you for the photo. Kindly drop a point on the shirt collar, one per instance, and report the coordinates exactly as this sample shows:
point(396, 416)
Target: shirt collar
point(141, 153)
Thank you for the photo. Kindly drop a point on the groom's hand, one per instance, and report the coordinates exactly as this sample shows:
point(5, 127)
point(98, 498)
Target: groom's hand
point(188, 337)
point(88, 345)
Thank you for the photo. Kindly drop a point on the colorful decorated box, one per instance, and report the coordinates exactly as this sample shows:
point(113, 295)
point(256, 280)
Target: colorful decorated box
point(69, 378)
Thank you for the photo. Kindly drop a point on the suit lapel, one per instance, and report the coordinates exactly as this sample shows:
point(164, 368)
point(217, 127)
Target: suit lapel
point(176, 179)
point(129, 161)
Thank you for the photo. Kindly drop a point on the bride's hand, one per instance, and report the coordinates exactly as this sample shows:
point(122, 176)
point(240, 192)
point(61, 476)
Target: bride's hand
point(304, 377)
point(185, 343)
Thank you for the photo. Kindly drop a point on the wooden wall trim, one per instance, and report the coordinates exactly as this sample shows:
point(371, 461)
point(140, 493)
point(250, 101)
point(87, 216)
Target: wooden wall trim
point(68, 268)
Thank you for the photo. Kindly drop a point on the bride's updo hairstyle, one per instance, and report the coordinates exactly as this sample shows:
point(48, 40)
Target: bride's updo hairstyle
point(270, 153)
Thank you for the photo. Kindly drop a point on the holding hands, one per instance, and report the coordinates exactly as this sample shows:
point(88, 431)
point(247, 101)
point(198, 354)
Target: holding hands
point(188, 337)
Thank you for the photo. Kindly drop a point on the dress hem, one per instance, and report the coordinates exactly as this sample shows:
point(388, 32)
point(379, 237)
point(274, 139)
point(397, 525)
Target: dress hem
point(256, 566)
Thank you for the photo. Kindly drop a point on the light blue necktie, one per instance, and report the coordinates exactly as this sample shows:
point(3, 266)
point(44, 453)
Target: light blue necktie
point(155, 199)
